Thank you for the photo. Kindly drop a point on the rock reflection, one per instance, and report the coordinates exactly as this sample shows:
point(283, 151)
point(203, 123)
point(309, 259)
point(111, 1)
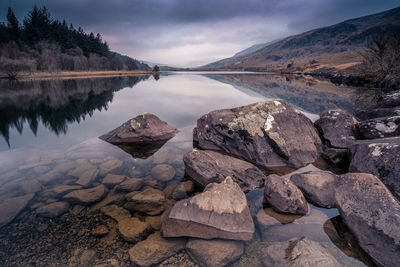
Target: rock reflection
point(55, 103)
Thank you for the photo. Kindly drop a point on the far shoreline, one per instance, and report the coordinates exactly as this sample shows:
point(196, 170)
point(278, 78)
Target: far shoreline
point(65, 75)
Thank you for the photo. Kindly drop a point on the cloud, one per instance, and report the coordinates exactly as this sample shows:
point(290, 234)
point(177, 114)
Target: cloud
point(195, 32)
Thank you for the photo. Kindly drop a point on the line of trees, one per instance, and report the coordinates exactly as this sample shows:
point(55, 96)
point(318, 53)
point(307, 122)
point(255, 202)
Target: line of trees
point(41, 43)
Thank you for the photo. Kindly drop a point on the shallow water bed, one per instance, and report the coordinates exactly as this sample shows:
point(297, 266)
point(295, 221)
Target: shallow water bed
point(73, 174)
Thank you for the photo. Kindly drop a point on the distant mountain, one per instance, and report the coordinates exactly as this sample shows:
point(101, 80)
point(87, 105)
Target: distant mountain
point(253, 48)
point(336, 46)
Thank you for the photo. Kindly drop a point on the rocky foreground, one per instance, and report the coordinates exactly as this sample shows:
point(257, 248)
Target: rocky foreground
point(142, 215)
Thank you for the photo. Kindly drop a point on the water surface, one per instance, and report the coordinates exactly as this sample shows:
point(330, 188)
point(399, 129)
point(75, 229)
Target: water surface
point(49, 131)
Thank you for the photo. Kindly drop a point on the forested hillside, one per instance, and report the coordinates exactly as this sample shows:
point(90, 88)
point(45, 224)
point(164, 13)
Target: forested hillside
point(41, 43)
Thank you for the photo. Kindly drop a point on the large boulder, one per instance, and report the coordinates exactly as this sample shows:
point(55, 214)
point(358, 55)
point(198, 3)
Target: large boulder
point(299, 252)
point(284, 196)
point(155, 249)
point(380, 127)
point(372, 214)
point(317, 186)
point(221, 211)
point(381, 158)
point(145, 128)
point(214, 253)
point(336, 127)
point(205, 167)
point(269, 133)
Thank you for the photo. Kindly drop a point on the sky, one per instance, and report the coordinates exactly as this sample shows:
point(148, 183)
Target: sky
point(189, 33)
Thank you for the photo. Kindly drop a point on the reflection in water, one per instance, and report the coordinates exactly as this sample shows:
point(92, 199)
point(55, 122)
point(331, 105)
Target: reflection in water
point(307, 93)
point(55, 103)
point(77, 180)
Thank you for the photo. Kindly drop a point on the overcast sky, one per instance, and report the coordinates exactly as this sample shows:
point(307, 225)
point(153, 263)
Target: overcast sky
point(189, 33)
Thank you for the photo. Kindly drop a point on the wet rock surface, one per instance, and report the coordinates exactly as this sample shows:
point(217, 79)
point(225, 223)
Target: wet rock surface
point(145, 128)
point(221, 211)
point(206, 167)
point(269, 133)
point(284, 196)
point(150, 201)
point(216, 252)
point(373, 215)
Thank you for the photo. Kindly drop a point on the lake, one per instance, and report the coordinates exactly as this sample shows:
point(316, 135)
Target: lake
point(49, 147)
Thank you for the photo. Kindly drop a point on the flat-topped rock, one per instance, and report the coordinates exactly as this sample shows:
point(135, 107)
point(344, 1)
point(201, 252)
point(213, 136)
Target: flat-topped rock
point(372, 214)
point(337, 128)
point(221, 211)
point(87, 196)
point(380, 127)
point(150, 201)
point(145, 128)
point(284, 196)
point(269, 133)
point(317, 186)
point(381, 158)
point(205, 167)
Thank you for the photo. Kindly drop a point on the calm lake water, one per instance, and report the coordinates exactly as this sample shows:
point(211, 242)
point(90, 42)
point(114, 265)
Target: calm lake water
point(49, 144)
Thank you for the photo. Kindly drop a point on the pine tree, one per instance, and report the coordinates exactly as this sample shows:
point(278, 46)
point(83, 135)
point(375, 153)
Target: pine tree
point(14, 32)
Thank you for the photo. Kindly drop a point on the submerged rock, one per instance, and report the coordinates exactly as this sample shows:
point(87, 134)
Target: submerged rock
point(163, 172)
point(87, 196)
point(150, 201)
point(299, 252)
point(206, 167)
point(221, 211)
point(381, 158)
point(284, 196)
point(53, 209)
point(182, 190)
point(337, 128)
point(317, 186)
point(113, 179)
point(269, 133)
point(11, 207)
point(372, 214)
point(155, 249)
point(130, 184)
point(216, 252)
point(380, 127)
point(111, 166)
point(145, 128)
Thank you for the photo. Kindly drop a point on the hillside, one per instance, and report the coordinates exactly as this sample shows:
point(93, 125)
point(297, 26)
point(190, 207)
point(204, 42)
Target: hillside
point(336, 46)
point(43, 44)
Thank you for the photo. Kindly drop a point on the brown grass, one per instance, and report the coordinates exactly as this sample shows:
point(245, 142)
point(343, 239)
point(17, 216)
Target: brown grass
point(64, 75)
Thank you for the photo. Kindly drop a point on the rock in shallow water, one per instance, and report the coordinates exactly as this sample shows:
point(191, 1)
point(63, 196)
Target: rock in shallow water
point(10, 208)
point(206, 167)
point(145, 128)
point(337, 127)
point(87, 196)
point(317, 186)
point(53, 210)
point(150, 201)
point(214, 253)
point(299, 252)
point(163, 172)
point(221, 211)
point(269, 133)
point(284, 196)
point(155, 249)
point(381, 158)
point(372, 214)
